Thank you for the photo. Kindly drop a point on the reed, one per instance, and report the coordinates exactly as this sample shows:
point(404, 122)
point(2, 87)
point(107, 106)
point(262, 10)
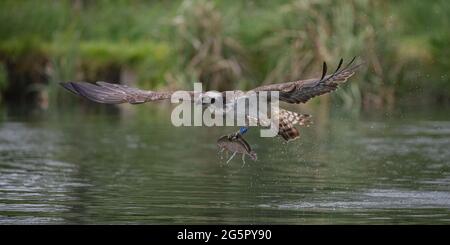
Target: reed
point(230, 44)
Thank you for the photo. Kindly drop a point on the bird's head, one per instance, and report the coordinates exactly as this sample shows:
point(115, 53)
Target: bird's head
point(209, 98)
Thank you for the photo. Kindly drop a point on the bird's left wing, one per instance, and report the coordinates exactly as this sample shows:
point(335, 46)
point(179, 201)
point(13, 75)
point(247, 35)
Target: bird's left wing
point(109, 93)
point(303, 90)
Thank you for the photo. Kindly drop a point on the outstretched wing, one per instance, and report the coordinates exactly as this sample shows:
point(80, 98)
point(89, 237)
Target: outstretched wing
point(291, 92)
point(109, 93)
point(303, 90)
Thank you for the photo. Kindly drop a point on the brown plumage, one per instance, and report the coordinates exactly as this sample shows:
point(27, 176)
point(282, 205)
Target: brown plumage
point(287, 120)
point(291, 92)
point(286, 123)
point(109, 93)
point(303, 90)
point(288, 132)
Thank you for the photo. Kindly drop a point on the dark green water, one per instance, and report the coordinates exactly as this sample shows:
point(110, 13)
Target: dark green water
point(84, 167)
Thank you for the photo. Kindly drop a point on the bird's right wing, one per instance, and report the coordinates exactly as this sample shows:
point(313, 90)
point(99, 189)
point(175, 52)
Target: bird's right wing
point(303, 90)
point(109, 93)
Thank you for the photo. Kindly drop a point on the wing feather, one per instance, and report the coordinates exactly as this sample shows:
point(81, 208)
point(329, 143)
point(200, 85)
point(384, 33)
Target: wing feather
point(303, 90)
point(109, 93)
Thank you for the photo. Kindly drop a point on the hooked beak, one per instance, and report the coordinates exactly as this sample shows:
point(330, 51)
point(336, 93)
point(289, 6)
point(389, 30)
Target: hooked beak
point(199, 101)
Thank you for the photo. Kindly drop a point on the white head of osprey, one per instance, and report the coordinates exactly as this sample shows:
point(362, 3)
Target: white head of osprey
point(231, 108)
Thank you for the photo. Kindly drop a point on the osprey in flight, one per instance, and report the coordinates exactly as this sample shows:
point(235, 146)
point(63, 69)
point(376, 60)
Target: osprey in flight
point(291, 92)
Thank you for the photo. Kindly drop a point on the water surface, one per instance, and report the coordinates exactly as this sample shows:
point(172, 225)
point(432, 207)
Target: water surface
point(80, 166)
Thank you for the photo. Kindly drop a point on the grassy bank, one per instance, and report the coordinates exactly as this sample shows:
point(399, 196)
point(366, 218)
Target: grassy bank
point(227, 44)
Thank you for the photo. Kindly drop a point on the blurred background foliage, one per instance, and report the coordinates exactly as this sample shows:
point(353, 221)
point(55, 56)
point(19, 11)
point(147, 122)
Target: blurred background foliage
point(225, 45)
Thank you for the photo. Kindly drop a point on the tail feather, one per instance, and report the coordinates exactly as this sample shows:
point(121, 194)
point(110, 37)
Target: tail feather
point(289, 134)
point(287, 120)
point(287, 130)
point(296, 118)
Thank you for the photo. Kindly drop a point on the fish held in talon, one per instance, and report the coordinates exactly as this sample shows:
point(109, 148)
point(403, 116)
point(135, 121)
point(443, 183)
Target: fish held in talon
point(236, 145)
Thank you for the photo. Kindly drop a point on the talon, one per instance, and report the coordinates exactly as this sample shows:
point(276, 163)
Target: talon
point(238, 134)
point(233, 136)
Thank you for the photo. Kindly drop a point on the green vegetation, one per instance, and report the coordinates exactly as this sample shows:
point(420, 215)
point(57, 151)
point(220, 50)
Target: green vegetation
point(229, 44)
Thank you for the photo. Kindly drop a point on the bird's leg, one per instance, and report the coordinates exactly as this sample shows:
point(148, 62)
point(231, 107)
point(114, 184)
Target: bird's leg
point(231, 157)
point(243, 160)
point(241, 131)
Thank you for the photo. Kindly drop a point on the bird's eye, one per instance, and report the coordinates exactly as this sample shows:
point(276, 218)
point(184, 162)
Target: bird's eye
point(213, 100)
